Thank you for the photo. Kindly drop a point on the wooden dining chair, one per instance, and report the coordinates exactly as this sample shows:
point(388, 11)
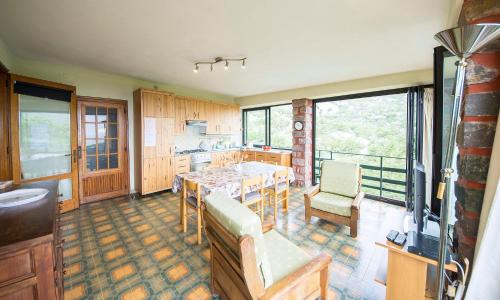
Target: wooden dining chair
point(254, 197)
point(280, 191)
point(191, 197)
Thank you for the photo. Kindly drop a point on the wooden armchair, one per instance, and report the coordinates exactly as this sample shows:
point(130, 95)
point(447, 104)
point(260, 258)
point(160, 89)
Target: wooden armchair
point(338, 196)
point(249, 260)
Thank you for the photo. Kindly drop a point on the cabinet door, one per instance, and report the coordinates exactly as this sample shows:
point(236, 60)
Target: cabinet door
point(236, 120)
point(202, 114)
point(212, 112)
point(191, 112)
point(150, 137)
point(148, 175)
point(151, 104)
point(170, 171)
point(165, 136)
point(180, 115)
point(162, 172)
point(167, 106)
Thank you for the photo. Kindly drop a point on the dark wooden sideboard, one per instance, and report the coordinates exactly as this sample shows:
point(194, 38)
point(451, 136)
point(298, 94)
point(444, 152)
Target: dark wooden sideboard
point(31, 250)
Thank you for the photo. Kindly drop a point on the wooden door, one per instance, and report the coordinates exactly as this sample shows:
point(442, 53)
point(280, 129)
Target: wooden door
point(51, 142)
point(149, 175)
point(5, 166)
point(102, 145)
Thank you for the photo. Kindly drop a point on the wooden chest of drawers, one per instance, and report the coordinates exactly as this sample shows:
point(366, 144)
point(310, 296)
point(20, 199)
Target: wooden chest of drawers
point(182, 164)
point(31, 253)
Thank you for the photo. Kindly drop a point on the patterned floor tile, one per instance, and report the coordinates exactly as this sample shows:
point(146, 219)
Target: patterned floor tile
point(134, 248)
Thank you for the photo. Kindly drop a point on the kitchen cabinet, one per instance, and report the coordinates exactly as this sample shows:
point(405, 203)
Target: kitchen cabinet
point(155, 126)
point(283, 158)
point(180, 115)
point(182, 164)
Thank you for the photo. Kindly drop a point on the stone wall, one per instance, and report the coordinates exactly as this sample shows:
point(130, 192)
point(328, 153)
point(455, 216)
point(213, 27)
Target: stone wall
point(302, 142)
point(477, 128)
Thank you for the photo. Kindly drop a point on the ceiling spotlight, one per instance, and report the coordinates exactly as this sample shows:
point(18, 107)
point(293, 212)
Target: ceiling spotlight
point(218, 60)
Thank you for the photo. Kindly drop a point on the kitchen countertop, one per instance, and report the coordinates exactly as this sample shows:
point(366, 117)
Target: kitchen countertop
point(29, 221)
point(278, 151)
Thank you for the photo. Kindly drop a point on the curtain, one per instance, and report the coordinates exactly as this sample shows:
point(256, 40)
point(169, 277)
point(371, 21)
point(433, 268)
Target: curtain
point(427, 141)
point(486, 271)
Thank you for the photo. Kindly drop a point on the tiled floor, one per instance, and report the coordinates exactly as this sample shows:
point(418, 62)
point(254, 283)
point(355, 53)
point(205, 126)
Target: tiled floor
point(134, 249)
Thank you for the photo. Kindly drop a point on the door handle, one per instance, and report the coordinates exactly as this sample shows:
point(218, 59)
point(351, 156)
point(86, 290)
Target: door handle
point(79, 152)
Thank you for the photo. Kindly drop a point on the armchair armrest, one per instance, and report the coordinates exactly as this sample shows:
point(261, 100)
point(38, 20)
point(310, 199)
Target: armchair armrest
point(267, 225)
point(311, 191)
point(289, 282)
point(357, 201)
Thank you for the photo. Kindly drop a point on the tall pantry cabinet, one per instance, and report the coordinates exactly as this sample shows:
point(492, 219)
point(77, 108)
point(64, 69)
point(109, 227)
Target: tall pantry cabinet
point(154, 127)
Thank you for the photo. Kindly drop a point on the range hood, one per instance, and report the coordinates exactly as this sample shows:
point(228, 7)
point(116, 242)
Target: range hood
point(196, 123)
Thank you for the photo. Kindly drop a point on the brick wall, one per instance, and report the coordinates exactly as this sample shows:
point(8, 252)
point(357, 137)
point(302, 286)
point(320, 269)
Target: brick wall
point(477, 128)
point(302, 142)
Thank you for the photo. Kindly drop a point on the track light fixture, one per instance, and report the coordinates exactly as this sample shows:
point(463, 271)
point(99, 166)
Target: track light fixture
point(218, 60)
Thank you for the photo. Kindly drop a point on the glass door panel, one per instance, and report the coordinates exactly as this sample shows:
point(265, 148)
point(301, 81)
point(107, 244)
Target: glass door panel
point(101, 138)
point(44, 137)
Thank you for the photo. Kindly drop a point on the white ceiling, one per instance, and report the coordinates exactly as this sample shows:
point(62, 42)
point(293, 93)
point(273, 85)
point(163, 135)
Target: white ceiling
point(289, 43)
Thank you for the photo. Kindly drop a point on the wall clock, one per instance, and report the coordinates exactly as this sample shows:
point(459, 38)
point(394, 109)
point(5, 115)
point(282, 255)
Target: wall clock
point(298, 125)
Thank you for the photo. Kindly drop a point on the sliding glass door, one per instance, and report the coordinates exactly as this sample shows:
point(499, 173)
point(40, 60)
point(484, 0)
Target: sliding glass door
point(371, 129)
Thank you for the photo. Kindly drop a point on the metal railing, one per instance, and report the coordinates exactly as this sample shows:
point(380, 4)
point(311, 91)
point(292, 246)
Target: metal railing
point(383, 176)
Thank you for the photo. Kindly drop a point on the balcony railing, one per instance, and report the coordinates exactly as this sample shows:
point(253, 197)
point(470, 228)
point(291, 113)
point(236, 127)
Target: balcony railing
point(384, 177)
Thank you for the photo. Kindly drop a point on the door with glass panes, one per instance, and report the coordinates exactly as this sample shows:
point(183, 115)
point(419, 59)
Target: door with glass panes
point(102, 149)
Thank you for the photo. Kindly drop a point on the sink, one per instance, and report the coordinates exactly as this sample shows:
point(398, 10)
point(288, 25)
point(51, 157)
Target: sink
point(21, 196)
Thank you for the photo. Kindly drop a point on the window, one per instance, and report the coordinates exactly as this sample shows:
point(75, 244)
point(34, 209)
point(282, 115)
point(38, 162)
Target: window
point(281, 126)
point(270, 125)
point(255, 127)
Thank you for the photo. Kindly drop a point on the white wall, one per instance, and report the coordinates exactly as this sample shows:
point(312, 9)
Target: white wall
point(99, 84)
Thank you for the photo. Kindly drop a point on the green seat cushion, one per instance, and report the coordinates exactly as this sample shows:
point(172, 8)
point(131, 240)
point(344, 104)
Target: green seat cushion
point(240, 220)
point(332, 203)
point(339, 177)
point(285, 256)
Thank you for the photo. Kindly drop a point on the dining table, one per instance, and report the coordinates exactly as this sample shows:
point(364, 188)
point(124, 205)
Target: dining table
point(228, 179)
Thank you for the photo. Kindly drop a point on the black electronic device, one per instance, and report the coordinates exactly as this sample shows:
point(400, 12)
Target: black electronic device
point(392, 235)
point(419, 197)
point(400, 239)
point(424, 245)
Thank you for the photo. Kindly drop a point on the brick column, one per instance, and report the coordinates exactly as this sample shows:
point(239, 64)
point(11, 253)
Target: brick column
point(302, 142)
point(477, 128)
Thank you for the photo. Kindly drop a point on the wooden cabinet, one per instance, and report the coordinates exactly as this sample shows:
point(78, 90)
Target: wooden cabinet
point(182, 164)
point(154, 116)
point(180, 115)
point(31, 254)
point(281, 158)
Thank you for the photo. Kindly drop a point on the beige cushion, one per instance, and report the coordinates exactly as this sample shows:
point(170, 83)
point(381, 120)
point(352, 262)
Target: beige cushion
point(339, 177)
point(332, 203)
point(284, 255)
point(240, 220)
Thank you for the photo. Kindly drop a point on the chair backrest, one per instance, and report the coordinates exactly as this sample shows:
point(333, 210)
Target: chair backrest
point(191, 188)
point(246, 183)
point(235, 235)
point(340, 177)
point(281, 173)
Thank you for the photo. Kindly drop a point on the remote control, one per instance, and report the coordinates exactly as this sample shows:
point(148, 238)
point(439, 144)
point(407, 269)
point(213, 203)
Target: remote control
point(392, 235)
point(400, 240)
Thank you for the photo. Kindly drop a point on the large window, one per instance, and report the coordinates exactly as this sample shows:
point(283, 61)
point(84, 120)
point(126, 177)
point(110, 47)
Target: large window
point(270, 125)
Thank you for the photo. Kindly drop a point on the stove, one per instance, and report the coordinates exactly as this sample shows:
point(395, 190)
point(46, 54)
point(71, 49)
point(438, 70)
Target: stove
point(191, 151)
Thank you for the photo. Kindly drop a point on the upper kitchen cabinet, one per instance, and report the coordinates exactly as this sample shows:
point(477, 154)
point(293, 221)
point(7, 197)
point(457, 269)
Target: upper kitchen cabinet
point(157, 104)
point(195, 109)
point(180, 114)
